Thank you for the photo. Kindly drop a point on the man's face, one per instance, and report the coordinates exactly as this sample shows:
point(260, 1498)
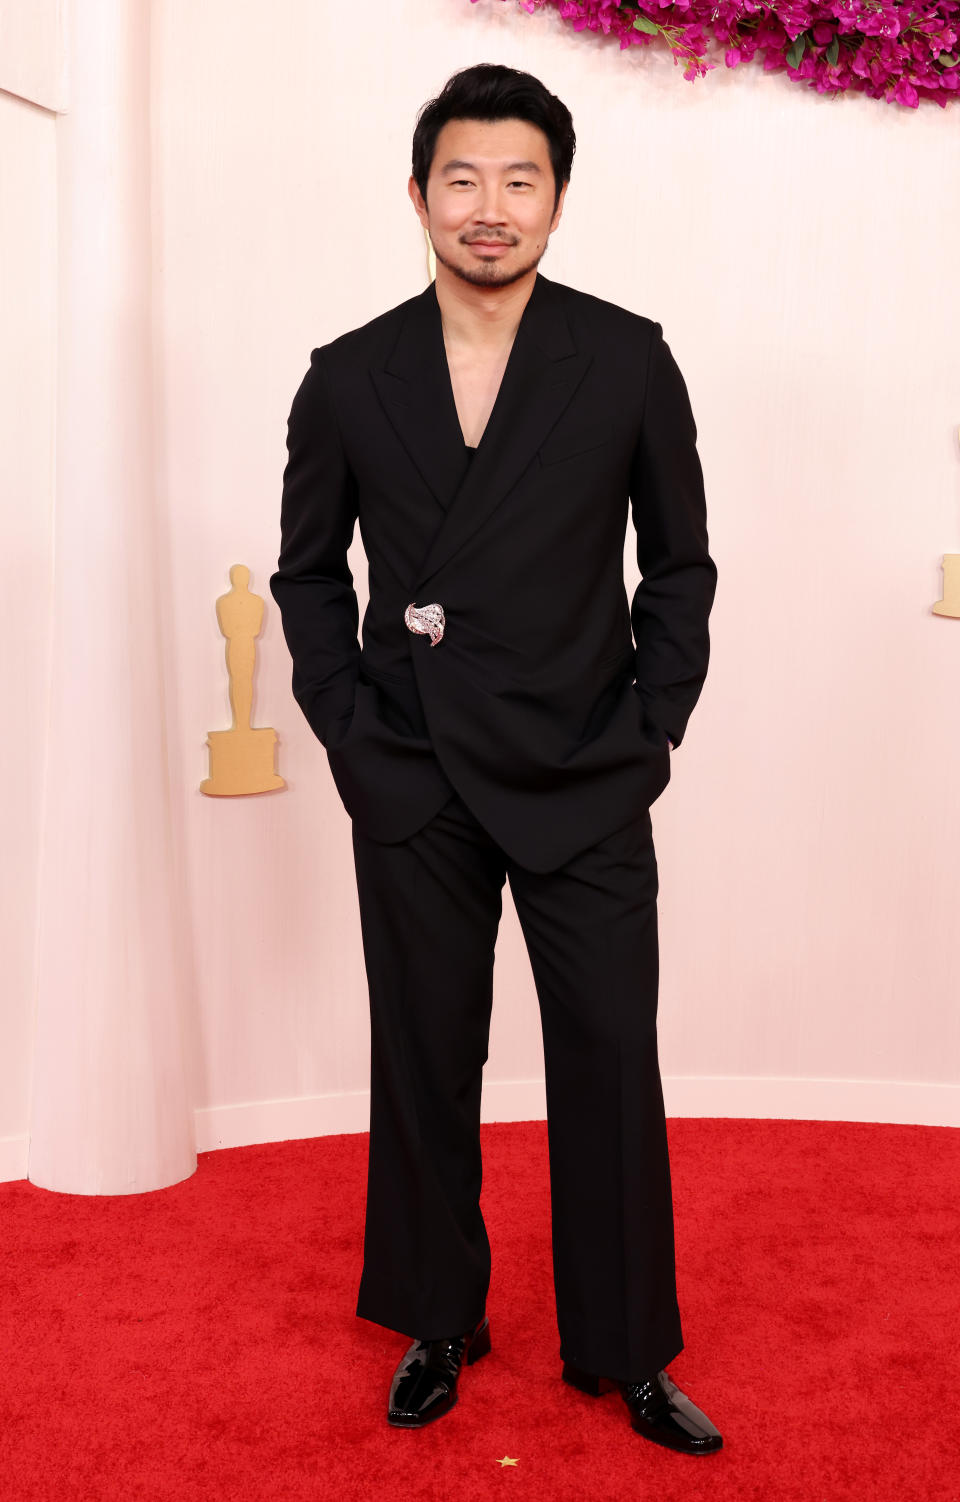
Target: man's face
point(490, 181)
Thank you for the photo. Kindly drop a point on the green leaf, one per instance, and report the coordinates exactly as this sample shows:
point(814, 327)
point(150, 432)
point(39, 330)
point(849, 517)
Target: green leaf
point(643, 23)
point(833, 51)
point(797, 50)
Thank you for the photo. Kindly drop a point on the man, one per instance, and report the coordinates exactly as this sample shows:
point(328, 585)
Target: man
point(490, 435)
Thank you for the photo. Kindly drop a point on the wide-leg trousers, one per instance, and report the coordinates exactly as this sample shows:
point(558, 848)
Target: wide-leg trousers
point(430, 907)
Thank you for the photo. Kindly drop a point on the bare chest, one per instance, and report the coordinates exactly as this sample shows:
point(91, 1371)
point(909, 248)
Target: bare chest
point(476, 382)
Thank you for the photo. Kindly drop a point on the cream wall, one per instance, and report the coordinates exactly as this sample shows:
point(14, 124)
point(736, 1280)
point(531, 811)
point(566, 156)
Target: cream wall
point(799, 254)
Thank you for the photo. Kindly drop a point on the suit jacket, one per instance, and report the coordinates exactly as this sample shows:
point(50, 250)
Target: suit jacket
point(536, 704)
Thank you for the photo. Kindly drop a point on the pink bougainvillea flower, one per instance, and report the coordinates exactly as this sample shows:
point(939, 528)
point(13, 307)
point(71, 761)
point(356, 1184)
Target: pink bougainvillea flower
point(901, 53)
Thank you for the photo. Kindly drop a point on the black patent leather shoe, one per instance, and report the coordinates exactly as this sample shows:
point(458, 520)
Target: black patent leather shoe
point(658, 1410)
point(424, 1385)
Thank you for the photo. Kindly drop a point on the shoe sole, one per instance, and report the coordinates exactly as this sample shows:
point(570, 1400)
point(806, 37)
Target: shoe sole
point(421, 1423)
point(667, 1444)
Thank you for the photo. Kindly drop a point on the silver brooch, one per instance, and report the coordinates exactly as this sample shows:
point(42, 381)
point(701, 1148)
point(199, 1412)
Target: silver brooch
point(425, 619)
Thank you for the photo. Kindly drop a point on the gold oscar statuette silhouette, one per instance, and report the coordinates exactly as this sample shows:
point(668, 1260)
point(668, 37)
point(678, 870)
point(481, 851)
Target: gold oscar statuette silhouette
point(241, 759)
point(950, 604)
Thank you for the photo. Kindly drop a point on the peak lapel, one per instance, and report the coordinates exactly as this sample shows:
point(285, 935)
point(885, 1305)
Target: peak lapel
point(414, 388)
point(542, 373)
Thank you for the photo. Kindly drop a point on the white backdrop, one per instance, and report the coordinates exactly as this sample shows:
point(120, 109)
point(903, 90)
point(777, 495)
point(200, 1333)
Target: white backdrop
point(800, 254)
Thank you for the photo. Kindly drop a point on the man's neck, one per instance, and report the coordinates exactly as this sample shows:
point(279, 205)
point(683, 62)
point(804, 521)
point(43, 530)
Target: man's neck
point(481, 319)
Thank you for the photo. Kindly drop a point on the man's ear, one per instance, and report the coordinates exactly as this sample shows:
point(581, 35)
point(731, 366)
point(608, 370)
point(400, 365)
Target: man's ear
point(559, 209)
point(416, 198)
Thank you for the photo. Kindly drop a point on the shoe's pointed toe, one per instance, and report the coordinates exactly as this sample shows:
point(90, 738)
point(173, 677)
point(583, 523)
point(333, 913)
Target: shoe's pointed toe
point(418, 1393)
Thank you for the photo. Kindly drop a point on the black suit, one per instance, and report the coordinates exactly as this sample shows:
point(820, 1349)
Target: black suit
point(519, 745)
point(527, 705)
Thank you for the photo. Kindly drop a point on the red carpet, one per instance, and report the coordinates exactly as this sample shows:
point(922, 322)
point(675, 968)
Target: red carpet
point(200, 1342)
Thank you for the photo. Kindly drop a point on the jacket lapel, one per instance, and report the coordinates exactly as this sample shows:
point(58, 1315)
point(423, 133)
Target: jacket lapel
point(542, 373)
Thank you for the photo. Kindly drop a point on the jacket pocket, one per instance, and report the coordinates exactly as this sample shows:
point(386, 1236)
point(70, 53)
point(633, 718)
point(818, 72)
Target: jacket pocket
point(622, 654)
point(402, 678)
point(577, 440)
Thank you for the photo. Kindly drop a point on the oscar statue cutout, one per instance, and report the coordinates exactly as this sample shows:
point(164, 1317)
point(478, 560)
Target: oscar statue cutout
point(950, 603)
point(241, 758)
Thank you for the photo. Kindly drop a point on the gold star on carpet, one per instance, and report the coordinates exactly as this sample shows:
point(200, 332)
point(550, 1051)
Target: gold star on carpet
point(507, 1461)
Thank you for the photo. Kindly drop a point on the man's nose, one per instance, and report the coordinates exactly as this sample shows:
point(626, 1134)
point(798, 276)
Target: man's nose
point(491, 210)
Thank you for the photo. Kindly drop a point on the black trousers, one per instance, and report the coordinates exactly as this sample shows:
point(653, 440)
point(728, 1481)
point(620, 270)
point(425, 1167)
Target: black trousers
point(430, 907)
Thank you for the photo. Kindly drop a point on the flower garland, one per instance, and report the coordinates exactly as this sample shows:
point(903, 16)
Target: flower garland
point(898, 52)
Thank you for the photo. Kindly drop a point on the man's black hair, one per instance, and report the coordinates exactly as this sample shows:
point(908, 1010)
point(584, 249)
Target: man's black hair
point(490, 91)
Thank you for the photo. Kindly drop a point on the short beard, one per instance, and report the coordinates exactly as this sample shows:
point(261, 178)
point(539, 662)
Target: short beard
point(488, 273)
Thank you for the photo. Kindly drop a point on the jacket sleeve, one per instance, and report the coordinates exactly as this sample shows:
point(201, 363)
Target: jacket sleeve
point(313, 585)
point(672, 602)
